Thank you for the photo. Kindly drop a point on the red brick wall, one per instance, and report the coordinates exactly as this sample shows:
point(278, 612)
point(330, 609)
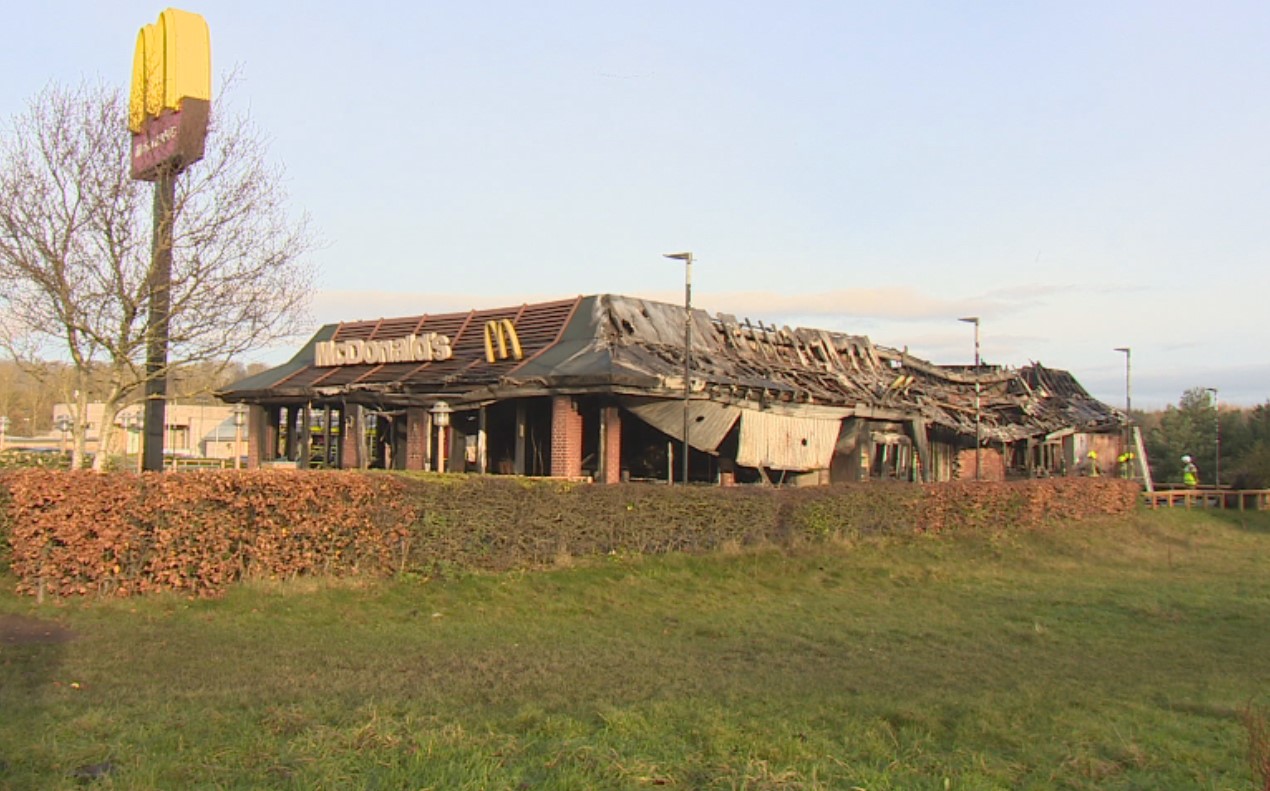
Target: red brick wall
point(351, 437)
point(993, 465)
point(417, 429)
point(612, 444)
point(566, 438)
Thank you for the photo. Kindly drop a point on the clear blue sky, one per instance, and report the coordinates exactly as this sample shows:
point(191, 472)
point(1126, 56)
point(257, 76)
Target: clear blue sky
point(1081, 175)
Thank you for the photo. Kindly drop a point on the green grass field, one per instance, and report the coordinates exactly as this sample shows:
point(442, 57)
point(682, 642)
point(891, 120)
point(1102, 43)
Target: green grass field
point(1110, 656)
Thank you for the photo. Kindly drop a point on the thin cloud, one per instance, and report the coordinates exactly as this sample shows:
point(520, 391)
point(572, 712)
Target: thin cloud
point(899, 303)
point(331, 306)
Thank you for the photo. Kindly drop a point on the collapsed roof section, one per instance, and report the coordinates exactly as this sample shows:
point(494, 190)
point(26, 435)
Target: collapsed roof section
point(631, 347)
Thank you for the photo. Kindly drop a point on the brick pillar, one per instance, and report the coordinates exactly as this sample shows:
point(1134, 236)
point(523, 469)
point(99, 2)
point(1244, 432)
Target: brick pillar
point(611, 425)
point(417, 429)
point(566, 438)
point(260, 430)
point(351, 437)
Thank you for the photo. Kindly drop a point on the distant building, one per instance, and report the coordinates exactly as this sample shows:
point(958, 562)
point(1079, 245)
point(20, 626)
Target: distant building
point(594, 387)
point(191, 430)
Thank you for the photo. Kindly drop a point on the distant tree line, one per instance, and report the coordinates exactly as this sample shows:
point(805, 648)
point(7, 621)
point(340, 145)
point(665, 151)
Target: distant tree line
point(1199, 427)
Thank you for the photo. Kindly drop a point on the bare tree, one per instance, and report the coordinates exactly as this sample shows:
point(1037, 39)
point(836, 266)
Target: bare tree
point(21, 400)
point(75, 249)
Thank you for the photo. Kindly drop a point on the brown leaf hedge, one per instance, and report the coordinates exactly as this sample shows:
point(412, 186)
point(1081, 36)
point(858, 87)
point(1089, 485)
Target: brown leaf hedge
point(83, 532)
point(76, 533)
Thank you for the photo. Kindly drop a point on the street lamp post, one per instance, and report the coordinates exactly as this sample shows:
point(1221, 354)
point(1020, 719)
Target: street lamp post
point(1128, 401)
point(441, 412)
point(1128, 405)
point(687, 259)
point(978, 411)
point(240, 417)
point(63, 424)
point(134, 423)
point(1217, 437)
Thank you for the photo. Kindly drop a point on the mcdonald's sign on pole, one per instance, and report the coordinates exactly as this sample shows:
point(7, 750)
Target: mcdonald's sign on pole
point(168, 110)
point(170, 100)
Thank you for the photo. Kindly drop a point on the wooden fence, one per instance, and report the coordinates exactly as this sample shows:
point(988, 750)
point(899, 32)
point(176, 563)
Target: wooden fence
point(1211, 497)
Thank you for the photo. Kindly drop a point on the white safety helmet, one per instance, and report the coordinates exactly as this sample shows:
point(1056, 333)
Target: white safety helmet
point(1186, 459)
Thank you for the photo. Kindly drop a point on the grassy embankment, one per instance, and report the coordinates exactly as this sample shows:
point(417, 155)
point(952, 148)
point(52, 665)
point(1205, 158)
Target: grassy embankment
point(1105, 656)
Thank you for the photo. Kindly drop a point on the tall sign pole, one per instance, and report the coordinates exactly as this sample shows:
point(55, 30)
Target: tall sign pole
point(160, 296)
point(168, 110)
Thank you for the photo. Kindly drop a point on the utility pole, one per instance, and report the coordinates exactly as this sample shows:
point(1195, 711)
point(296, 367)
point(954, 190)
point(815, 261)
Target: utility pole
point(978, 409)
point(687, 259)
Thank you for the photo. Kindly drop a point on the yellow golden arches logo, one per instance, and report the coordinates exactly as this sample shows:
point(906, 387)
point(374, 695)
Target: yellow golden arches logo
point(170, 101)
point(502, 333)
point(172, 62)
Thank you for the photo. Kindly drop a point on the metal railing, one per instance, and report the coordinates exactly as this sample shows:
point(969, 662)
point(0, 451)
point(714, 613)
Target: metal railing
point(199, 464)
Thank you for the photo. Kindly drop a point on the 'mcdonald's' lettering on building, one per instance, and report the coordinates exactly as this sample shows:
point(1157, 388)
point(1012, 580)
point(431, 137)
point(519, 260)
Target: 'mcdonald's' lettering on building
point(410, 349)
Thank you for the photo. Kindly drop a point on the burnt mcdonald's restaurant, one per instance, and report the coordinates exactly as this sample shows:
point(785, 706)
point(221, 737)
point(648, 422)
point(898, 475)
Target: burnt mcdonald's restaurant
point(593, 387)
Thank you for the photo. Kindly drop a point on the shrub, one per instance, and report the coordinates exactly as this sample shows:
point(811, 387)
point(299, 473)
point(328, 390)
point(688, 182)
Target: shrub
point(72, 533)
point(82, 532)
point(17, 459)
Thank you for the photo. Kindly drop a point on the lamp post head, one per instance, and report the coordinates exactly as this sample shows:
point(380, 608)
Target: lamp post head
point(441, 412)
point(1124, 349)
point(678, 256)
point(970, 320)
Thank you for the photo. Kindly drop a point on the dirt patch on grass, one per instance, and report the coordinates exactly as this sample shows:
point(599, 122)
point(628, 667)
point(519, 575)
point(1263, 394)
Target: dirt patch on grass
point(22, 630)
